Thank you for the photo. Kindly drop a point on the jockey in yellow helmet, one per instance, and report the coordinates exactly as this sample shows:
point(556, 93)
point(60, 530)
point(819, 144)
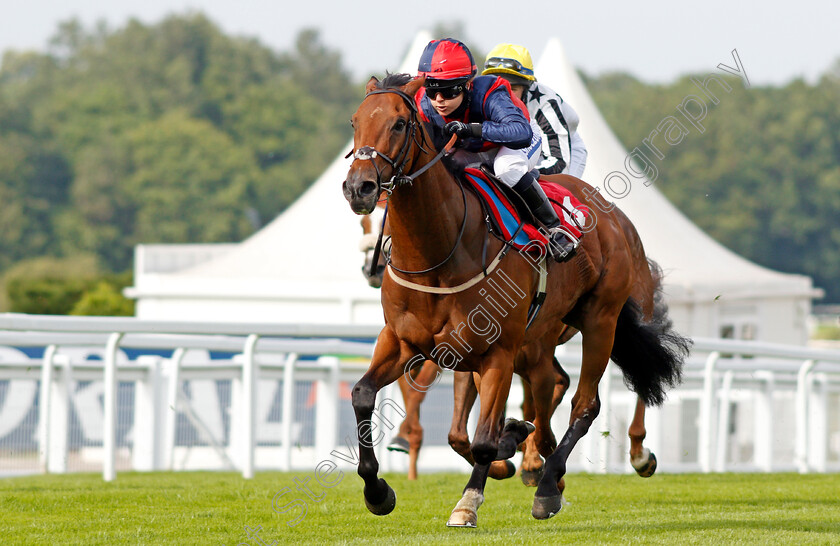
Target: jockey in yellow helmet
point(563, 150)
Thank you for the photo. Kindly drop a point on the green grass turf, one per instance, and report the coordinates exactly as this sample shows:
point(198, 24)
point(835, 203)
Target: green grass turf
point(214, 508)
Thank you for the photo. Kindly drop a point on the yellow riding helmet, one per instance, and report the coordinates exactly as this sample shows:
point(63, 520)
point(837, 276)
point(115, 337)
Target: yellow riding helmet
point(511, 60)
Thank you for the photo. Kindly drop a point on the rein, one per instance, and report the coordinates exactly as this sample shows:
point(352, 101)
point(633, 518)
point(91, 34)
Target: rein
point(369, 153)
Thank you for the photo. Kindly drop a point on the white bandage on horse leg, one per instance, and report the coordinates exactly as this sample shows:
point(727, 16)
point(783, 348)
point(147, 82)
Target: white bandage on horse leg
point(640, 461)
point(465, 513)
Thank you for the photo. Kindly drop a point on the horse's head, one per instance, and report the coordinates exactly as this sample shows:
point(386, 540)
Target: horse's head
point(385, 129)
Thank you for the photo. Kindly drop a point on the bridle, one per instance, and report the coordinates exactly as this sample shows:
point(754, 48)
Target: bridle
point(369, 153)
point(398, 164)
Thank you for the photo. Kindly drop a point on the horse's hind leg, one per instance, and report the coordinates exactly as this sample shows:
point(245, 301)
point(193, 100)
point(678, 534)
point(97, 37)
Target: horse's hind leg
point(410, 435)
point(400, 440)
point(532, 464)
point(642, 459)
point(597, 344)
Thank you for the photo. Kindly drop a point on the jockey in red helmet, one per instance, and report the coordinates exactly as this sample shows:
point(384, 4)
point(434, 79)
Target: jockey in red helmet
point(490, 121)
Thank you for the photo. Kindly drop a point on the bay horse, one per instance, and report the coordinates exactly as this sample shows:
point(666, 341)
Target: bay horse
point(416, 383)
point(435, 297)
point(414, 386)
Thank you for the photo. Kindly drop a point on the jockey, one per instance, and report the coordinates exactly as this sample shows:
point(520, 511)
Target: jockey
point(563, 150)
point(490, 121)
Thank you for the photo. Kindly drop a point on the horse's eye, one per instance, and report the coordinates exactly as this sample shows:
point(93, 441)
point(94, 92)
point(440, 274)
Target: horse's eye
point(399, 125)
point(351, 124)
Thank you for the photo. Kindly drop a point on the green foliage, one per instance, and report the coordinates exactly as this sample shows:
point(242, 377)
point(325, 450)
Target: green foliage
point(172, 132)
point(75, 286)
point(47, 296)
point(188, 182)
point(175, 132)
point(103, 300)
point(763, 177)
point(49, 286)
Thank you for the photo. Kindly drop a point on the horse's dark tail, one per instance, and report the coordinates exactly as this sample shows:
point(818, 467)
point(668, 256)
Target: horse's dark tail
point(649, 353)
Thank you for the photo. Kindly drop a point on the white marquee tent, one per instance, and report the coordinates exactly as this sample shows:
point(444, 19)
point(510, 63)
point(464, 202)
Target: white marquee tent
point(279, 275)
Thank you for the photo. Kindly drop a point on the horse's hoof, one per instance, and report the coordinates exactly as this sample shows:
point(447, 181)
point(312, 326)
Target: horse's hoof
point(508, 471)
point(398, 443)
point(519, 429)
point(465, 513)
point(384, 507)
point(649, 469)
point(510, 422)
point(464, 518)
point(546, 507)
point(646, 464)
point(531, 478)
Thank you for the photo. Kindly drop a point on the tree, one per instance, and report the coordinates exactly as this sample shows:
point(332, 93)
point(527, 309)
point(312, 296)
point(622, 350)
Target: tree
point(188, 182)
point(763, 176)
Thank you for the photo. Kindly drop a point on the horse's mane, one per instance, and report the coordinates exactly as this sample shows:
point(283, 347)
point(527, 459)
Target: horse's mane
point(394, 81)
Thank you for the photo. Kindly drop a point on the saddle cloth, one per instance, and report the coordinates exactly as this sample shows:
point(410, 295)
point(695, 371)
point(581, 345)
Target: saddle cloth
point(505, 218)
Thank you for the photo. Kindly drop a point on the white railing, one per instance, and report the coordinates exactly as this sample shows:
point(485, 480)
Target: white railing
point(792, 395)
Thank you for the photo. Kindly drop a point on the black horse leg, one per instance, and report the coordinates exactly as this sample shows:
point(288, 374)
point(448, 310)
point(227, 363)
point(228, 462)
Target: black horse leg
point(548, 499)
point(384, 369)
point(380, 499)
point(514, 433)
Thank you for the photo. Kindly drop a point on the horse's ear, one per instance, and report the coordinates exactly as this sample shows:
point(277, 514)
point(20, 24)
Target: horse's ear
point(411, 87)
point(371, 84)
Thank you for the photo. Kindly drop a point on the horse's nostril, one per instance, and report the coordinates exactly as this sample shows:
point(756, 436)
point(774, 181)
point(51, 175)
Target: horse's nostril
point(367, 188)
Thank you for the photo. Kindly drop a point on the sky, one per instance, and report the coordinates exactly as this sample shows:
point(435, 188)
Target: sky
point(655, 40)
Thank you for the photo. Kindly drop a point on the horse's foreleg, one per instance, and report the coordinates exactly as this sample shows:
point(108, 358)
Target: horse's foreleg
point(465, 393)
point(465, 513)
point(597, 345)
point(494, 388)
point(385, 368)
point(642, 459)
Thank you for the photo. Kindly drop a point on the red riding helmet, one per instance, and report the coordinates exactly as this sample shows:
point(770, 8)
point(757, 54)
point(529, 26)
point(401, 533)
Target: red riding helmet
point(447, 60)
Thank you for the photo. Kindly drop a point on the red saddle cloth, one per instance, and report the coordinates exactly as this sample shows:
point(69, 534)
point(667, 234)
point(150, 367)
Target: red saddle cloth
point(506, 219)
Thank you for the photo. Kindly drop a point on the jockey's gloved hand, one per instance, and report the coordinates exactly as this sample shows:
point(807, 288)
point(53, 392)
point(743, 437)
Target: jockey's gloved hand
point(463, 130)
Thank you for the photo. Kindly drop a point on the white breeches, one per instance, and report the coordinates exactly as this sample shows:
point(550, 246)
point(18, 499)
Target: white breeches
point(511, 165)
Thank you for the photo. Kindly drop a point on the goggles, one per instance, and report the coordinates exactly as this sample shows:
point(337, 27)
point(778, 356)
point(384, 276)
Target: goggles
point(510, 64)
point(448, 93)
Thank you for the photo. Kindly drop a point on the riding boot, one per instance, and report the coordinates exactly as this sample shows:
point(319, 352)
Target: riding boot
point(561, 245)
